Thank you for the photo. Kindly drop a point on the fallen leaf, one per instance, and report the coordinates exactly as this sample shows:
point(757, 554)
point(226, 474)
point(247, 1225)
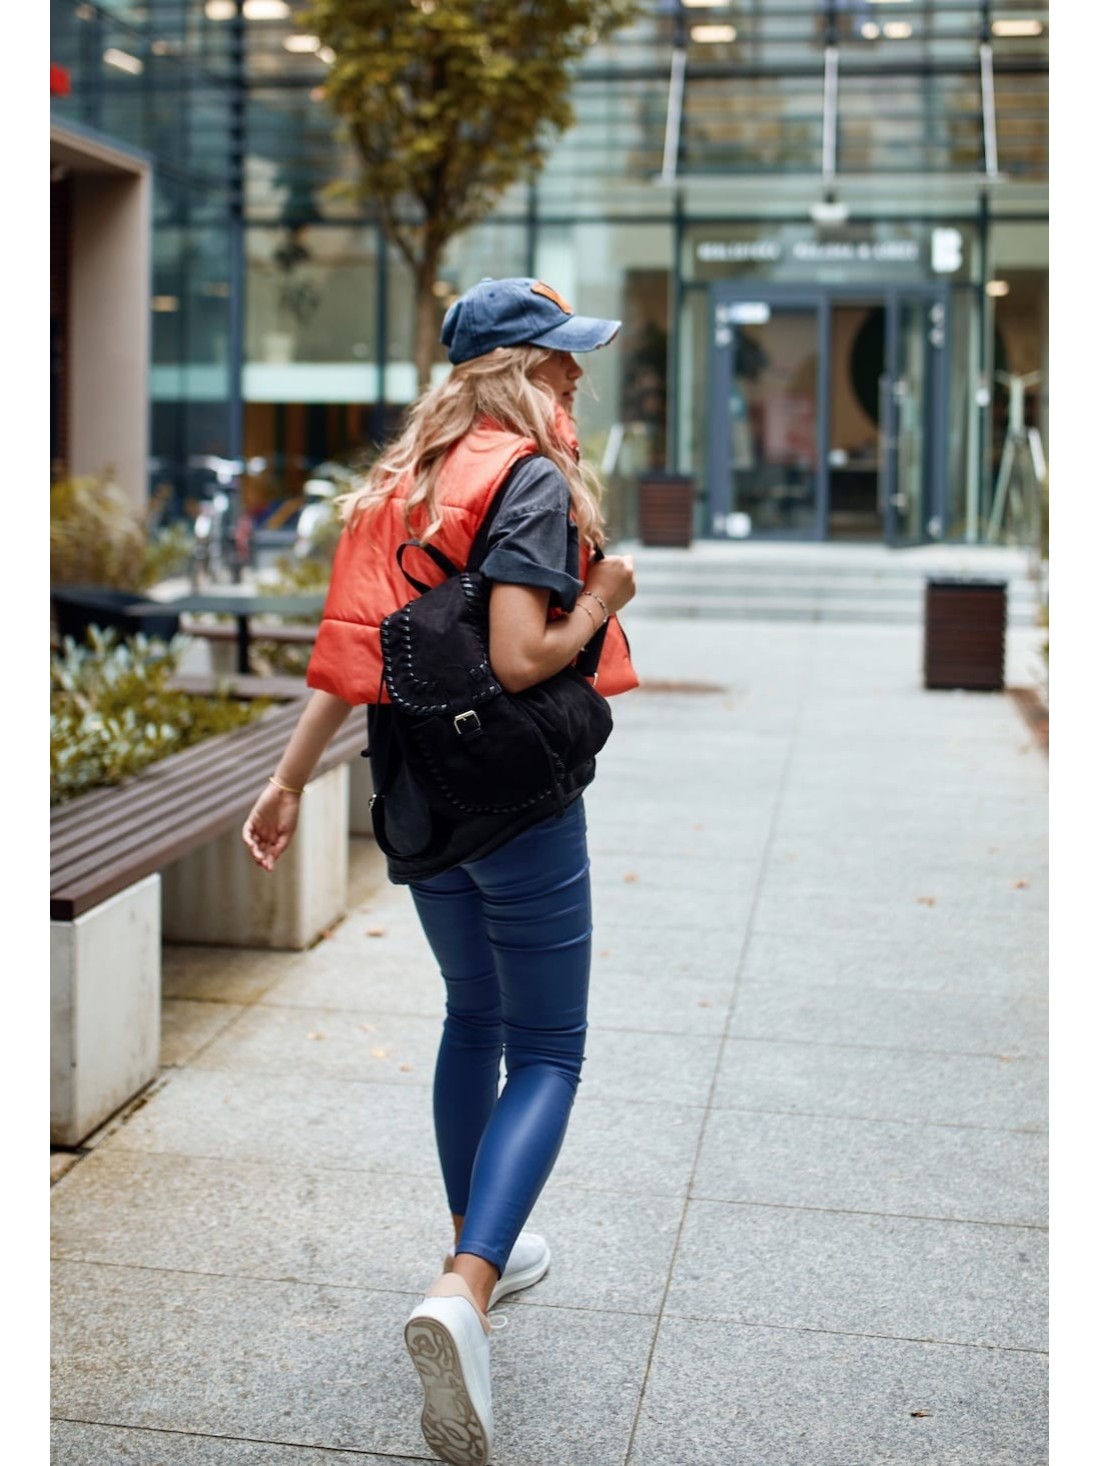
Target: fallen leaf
point(315, 1035)
point(406, 1068)
point(379, 1053)
point(926, 900)
point(630, 878)
point(376, 931)
point(920, 1412)
point(1022, 884)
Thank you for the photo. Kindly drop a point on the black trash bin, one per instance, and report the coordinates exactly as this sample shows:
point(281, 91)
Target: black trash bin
point(76, 607)
point(666, 509)
point(964, 634)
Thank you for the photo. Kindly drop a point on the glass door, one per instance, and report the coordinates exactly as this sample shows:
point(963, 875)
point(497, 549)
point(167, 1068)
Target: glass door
point(828, 412)
point(766, 453)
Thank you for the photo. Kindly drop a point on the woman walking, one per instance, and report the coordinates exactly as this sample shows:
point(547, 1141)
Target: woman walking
point(503, 897)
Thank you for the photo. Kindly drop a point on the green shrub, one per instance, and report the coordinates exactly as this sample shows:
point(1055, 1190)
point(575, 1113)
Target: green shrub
point(112, 712)
point(98, 537)
point(294, 577)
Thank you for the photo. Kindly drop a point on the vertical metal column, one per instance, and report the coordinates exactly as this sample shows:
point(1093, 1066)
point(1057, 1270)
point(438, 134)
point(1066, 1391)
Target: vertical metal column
point(235, 242)
point(675, 339)
point(382, 332)
point(531, 224)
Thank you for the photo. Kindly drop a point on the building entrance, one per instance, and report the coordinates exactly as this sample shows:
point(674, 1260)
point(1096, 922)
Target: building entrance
point(828, 412)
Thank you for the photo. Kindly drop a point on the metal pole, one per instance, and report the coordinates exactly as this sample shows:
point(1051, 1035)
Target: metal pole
point(672, 367)
point(989, 109)
point(532, 226)
point(382, 332)
point(829, 114)
point(674, 113)
point(985, 353)
point(235, 240)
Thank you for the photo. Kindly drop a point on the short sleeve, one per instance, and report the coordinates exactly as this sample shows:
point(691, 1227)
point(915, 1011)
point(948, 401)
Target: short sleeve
point(533, 541)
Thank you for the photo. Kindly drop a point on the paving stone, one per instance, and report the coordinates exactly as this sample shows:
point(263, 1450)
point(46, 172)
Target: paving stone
point(74, 1443)
point(959, 961)
point(621, 1146)
point(828, 912)
point(326, 1367)
point(187, 1026)
point(307, 1224)
point(61, 1162)
point(954, 1282)
point(873, 1166)
point(394, 978)
point(657, 994)
point(337, 1043)
point(819, 1078)
point(720, 1392)
point(611, 1145)
point(649, 1068)
point(993, 1024)
point(236, 975)
point(287, 1118)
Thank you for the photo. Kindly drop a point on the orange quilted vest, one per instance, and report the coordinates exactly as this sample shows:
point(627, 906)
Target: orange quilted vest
point(367, 583)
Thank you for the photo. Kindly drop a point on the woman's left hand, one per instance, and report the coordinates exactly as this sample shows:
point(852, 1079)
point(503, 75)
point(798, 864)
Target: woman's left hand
point(270, 825)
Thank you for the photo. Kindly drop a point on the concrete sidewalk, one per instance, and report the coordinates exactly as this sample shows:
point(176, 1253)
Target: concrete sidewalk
point(800, 1214)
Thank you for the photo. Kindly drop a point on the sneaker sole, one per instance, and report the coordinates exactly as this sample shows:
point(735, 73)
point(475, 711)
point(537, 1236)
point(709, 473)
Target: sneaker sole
point(450, 1423)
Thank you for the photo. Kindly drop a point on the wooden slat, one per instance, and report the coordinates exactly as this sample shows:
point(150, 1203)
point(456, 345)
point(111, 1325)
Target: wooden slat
point(111, 838)
point(257, 631)
point(244, 685)
point(170, 774)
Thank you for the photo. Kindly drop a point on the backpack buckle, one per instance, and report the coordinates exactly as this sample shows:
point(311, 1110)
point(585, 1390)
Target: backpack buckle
point(467, 723)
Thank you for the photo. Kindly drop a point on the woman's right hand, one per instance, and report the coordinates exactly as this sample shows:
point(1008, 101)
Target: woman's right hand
point(612, 579)
point(270, 825)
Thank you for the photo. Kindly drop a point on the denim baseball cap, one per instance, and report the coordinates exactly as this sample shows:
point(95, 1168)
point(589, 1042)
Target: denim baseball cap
point(519, 312)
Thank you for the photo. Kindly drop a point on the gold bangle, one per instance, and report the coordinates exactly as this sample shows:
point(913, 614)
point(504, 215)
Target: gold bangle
point(284, 787)
point(603, 604)
point(591, 618)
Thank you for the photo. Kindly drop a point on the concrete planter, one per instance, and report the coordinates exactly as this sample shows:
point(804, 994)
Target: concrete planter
point(218, 895)
point(104, 1009)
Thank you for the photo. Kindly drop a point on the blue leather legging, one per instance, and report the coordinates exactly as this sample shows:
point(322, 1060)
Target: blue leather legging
point(512, 935)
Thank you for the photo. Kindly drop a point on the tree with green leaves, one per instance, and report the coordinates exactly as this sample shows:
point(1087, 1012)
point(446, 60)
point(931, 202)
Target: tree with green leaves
point(449, 103)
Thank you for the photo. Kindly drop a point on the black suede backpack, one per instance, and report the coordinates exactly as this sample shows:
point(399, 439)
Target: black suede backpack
point(472, 747)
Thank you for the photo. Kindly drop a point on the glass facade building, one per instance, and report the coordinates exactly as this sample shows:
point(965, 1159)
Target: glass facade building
point(822, 222)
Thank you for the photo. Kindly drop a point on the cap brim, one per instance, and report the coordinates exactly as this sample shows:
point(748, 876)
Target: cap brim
point(579, 333)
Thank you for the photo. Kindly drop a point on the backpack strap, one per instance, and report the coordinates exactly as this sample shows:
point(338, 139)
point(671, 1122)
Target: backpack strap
point(447, 566)
point(478, 550)
point(480, 547)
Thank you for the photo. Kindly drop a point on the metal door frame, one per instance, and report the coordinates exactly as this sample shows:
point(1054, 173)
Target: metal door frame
point(820, 298)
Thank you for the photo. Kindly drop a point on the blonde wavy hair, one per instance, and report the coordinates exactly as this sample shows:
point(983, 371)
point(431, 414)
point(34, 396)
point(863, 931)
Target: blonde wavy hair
point(498, 386)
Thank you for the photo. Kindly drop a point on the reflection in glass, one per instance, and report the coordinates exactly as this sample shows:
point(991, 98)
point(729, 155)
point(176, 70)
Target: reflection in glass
point(773, 421)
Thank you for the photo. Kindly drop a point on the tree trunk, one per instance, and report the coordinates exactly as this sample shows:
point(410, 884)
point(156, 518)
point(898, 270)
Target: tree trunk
point(427, 331)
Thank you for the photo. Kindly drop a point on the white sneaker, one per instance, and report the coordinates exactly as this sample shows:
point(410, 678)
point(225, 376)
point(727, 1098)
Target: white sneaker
point(447, 1337)
point(528, 1261)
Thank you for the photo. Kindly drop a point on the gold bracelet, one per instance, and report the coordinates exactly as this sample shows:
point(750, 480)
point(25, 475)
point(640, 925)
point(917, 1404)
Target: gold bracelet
point(603, 604)
point(284, 787)
point(591, 618)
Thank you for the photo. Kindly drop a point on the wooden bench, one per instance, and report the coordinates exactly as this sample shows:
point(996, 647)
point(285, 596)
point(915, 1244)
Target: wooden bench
point(159, 857)
point(223, 638)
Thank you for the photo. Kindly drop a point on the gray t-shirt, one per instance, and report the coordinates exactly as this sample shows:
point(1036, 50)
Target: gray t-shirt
point(533, 541)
